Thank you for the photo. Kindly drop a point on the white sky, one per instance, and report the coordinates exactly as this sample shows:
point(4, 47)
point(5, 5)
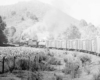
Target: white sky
point(79, 9)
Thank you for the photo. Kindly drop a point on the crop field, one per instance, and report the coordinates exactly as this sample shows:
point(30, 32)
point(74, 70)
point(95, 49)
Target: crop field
point(25, 63)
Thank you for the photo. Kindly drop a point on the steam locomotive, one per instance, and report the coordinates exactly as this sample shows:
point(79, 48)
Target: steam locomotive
point(33, 43)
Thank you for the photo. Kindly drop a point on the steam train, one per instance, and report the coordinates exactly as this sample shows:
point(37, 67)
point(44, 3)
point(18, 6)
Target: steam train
point(33, 43)
point(92, 45)
point(78, 45)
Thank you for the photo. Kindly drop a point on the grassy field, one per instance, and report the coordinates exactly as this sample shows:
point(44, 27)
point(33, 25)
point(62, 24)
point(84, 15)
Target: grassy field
point(43, 64)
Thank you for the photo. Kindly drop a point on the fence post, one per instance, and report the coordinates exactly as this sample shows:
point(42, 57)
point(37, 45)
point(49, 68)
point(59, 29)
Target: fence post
point(3, 64)
point(14, 62)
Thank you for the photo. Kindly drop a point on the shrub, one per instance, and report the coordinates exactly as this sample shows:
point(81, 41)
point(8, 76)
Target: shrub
point(10, 64)
point(23, 64)
point(42, 57)
point(36, 66)
point(50, 54)
point(35, 76)
point(41, 63)
point(85, 59)
point(72, 67)
point(96, 77)
point(58, 77)
point(54, 61)
point(86, 63)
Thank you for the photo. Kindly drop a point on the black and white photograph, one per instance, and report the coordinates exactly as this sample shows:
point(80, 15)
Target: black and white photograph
point(49, 39)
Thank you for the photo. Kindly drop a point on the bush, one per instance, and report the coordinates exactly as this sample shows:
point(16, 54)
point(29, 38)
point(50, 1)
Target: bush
point(85, 59)
point(72, 67)
point(3, 37)
point(54, 61)
point(35, 76)
point(40, 63)
point(36, 66)
point(9, 64)
point(58, 77)
point(96, 77)
point(23, 64)
point(50, 54)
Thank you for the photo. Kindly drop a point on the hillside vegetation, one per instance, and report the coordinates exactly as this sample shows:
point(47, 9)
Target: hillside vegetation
point(35, 18)
point(24, 63)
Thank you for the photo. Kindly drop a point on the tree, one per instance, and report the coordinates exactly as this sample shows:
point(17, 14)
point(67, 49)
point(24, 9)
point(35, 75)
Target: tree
point(72, 33)
point(33, 17)
point(3, 38)
point(10, 31)
point(92, 27)
point(83, 23)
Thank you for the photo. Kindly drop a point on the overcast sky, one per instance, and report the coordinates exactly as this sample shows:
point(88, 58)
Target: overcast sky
point(79, 9)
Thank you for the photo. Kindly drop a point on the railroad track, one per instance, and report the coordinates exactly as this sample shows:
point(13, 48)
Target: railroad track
point(76, 50)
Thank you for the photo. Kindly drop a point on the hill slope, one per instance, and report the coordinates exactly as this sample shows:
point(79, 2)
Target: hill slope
point(25, 15)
